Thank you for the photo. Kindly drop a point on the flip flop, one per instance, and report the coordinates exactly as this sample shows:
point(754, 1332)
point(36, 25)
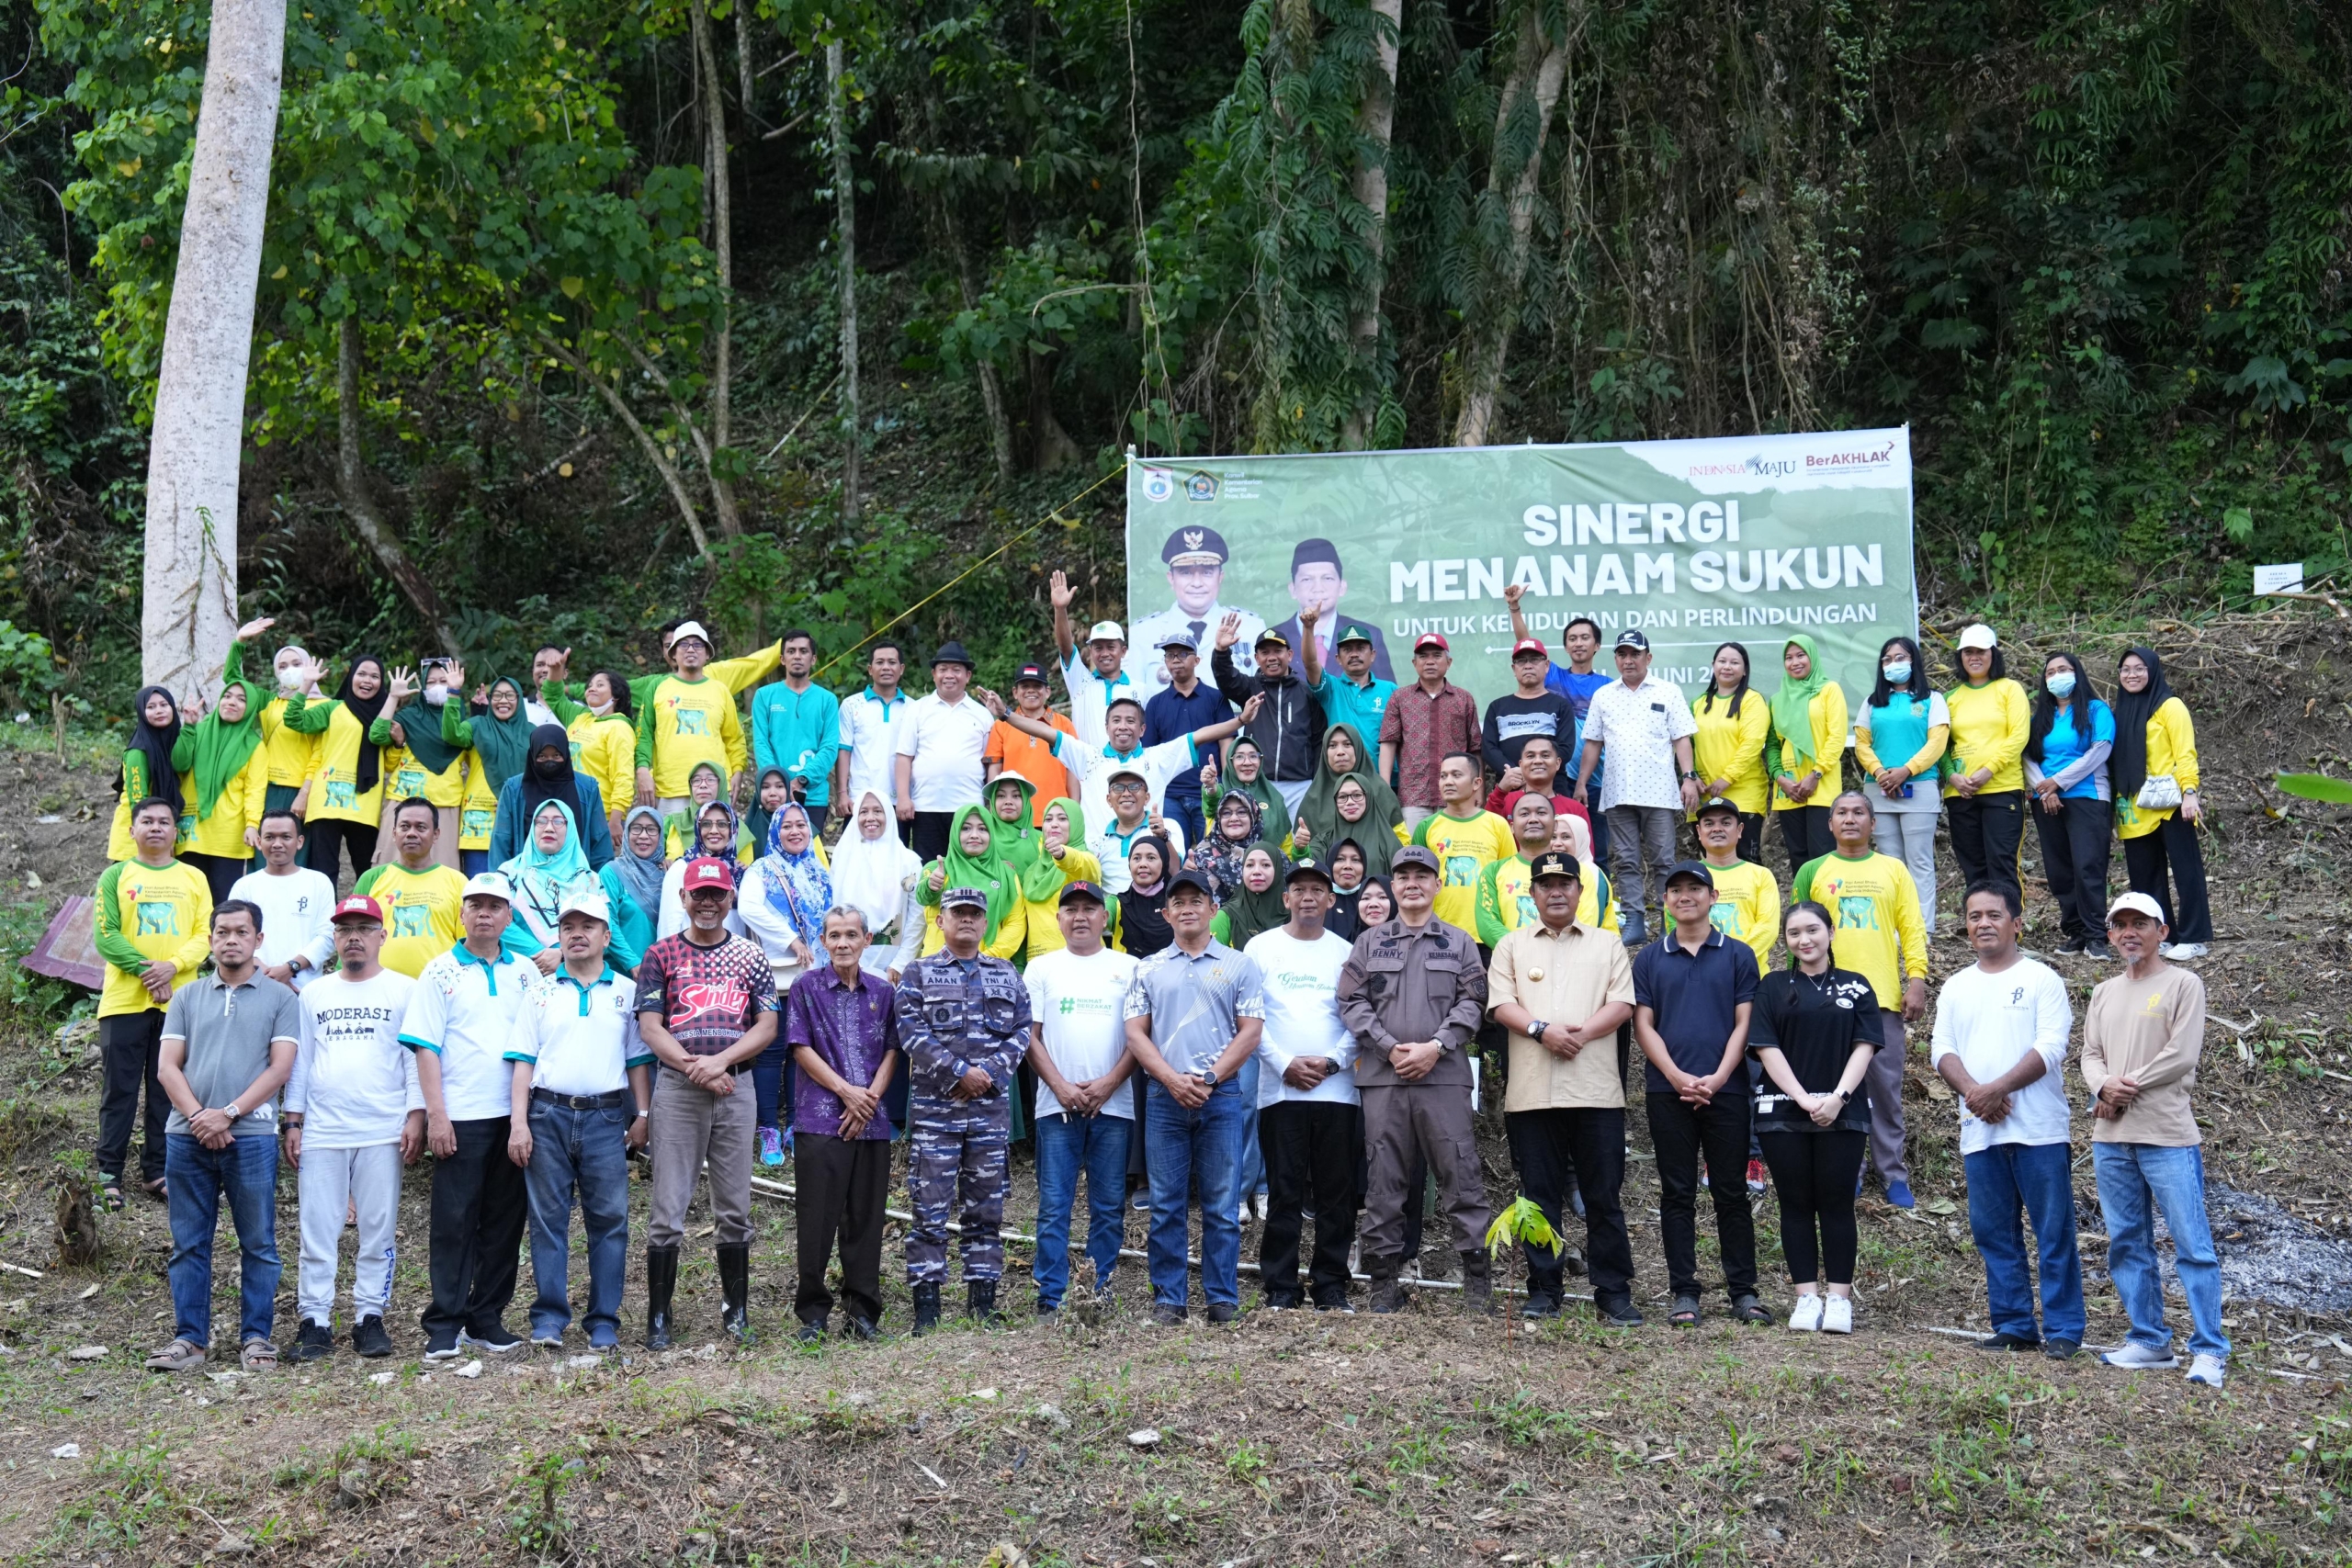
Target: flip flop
point(1685, 1313)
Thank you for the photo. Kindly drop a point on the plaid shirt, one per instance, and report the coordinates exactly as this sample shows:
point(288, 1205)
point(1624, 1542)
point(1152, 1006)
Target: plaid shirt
point(1424, 728)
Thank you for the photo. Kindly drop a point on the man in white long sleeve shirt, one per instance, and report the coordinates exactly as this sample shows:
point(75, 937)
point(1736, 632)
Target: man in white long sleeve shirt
point(354, 1114)
point(1310, 1121)
point(2000, 1043)
point(294, 902)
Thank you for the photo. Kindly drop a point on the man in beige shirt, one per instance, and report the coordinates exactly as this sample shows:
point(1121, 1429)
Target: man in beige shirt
point(2140, 1040)
point(1562, 990)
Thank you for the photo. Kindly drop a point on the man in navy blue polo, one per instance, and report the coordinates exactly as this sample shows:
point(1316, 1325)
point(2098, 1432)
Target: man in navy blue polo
point(1186, 703)
point(1693, 992)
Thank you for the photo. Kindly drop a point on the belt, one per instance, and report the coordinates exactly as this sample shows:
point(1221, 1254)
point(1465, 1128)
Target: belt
point(737, 1071)
point(581, 1101)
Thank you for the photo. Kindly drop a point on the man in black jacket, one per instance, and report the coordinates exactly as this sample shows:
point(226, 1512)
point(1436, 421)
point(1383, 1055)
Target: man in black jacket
point(1289, 727)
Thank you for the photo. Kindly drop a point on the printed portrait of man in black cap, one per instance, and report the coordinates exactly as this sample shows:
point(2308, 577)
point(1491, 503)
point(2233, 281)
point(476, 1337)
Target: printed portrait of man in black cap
point(1194, 554)
point(1317, 582)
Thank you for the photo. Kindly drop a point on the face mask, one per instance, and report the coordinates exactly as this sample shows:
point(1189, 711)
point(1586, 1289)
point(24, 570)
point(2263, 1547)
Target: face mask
point(2062, 686)
point(1897, 675)
point(546, 769)
point(435, 696)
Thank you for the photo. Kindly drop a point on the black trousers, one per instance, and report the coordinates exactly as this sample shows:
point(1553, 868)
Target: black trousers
point(1814, 1173)
point(930, 839)
point(843, 1183)
point(220, 872)
point(1986, 831)
point(1681, 1134)
point(480, 1207)
point(1804, 833)
point(2075, 850)
point(1311, 1150)
point(1553, 1148)
point(130, 1051)
point(324, 840)
point(2173, 847)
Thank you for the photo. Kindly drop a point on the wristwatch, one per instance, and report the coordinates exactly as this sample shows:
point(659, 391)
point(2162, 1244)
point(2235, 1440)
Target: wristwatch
point(1535, 1028)
point(231, 1110)
point(1207, 1076)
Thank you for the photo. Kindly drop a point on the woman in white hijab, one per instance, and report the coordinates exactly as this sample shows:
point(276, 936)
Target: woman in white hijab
point(875, 874)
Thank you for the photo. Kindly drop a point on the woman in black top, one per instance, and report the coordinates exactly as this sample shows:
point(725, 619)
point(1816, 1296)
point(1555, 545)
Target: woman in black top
point(1815, 1028)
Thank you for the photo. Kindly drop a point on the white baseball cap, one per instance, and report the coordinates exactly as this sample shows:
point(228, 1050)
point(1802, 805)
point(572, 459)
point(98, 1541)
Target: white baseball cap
point(684, 630)
point(489, 884)
point(587, 901)
point(1106, 631)
point(1979, 635)
point(2138, 904)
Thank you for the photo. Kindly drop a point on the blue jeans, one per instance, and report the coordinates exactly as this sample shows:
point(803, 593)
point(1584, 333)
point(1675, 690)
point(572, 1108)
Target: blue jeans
point(1180, 1147)
point(579, 1151)
point(1253, 1152)
point(2128, 1175)
point(773, 1077)
point(246, 1174)
point(1186, 812)
point(2038, 1178)
point(1067, 1145)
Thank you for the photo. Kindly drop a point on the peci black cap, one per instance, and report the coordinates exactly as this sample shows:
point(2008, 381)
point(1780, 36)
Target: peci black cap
point(1194, 545)
point(1552, 862)
point(953, 653)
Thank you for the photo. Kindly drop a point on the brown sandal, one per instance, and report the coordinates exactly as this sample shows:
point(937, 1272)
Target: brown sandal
point(154, 1188)
point(258, 1356)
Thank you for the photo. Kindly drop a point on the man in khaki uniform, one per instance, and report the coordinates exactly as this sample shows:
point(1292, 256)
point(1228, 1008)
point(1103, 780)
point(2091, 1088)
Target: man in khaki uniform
point(1563, 989)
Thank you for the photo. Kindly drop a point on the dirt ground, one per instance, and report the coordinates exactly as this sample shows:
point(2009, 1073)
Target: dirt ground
point(1294, 1436)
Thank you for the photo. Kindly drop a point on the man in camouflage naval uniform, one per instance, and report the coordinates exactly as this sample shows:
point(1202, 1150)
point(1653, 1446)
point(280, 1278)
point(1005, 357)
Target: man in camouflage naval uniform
point(963, 1019)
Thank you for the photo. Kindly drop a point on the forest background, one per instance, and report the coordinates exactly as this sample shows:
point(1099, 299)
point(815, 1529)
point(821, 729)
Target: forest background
point(558, 337)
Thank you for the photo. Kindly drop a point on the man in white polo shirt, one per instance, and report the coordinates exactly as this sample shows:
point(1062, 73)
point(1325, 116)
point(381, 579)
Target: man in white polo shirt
point(580, 1099)
point(868, 757)
point(460, 1019)
point(943, 746)
point(1093, 763)
point(354, 1114)
point(1310, 1119)
point(1646, 727)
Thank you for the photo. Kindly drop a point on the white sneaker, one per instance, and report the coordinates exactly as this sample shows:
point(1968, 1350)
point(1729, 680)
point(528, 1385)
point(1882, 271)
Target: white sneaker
point(2137, 1357)
point(1807, 1319)
point(1838, 1315)
point(2209, 1371)
point(2189, 950)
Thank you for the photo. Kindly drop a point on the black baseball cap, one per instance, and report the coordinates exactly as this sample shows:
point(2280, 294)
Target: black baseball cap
point(1036, 672)
point(1083, 889)
point(1629, 638)
point(1552, 862)
point(1696, 868)
point(1308, 867)
point(1189, 877)
point(1715, 803)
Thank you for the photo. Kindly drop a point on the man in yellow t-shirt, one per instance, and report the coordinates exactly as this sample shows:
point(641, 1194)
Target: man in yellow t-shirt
point(685, 718)
point(1747, 901)
point(1877, 932)
point(1507, 887)
point(423, 901)
point(1466, 840)
point(153, 927)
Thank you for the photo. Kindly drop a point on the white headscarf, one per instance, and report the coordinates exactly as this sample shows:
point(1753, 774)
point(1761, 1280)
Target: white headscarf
point(870, 875)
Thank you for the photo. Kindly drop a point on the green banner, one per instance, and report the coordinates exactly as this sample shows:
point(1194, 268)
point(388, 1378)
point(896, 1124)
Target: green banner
point(1696, 543)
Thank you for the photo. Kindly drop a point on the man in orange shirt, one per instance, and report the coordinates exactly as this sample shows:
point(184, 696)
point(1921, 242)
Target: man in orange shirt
point(1010, 751)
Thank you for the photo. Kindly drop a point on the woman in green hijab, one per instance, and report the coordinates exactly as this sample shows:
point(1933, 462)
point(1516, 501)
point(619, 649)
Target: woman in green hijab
point(422, 763)
point(1256, 905)
point(223, 750)
point(1062, 859)
point(1807, 748)
point(1246, 775)
point(1348, 800)
point(974, 860)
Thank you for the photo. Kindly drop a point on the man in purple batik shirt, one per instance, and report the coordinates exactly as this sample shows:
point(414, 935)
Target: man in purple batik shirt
point(843, 1030)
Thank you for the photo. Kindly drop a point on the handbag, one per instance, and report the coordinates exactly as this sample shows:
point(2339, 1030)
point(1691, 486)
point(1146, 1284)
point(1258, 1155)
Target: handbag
point(2158, 792)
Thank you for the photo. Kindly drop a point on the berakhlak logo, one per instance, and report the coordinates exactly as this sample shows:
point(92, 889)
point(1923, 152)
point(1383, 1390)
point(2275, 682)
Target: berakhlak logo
point(1158, 484)
point(1200, 485)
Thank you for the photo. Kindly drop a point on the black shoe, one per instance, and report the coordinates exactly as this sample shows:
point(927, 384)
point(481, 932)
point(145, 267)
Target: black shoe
point(1747, 1308)
point(661, 1288)
point(2074, 944)
point(442, 1346)
point(1387, 1295)
point(1619, 1313)
point(2060, 1349)
point(1540, 1304)
point(495, 1339)
point(1220, 1314)
point(1283, 1301)
point(735, 1290)
point(2099, 950)
point(313, 1343)
point(861, 1329)
point(926, 1309)
point(2007, 1342)
point(1048, 1311)
point(811, 1333)
point(369, 1339)
point(980, 1304)
point(1166, 1316)
point(1335, 1303)
point(1477, 1285)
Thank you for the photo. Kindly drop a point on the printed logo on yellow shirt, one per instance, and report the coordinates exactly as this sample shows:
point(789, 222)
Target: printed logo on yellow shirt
point(475, 824)
point(690, 721)
point(1462, 870)
point(158, 919)
point(412, 920)
point(1857, 914)
point(341, 792)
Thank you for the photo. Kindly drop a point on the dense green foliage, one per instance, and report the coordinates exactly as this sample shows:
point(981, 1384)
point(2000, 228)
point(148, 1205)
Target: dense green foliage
point(2095, 255)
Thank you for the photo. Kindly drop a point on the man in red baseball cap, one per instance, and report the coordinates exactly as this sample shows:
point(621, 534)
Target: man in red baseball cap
point(354, 1114)
point(1533, 709)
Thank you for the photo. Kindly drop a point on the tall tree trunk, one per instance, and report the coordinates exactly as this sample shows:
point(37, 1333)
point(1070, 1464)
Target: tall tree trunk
point(991, 384)
point(670, 478)
point(359, 501)
point(1375, 121)
point(189, 611)
point(845, 193)
point(743, 79)
point(1539, 71)
point(722, 226)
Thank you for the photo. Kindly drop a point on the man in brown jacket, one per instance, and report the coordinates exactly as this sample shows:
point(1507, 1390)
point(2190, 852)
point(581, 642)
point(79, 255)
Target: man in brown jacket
point(1412, 993)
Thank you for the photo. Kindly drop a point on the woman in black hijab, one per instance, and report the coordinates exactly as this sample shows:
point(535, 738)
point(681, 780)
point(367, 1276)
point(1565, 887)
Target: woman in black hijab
point(146, 765)
point(2153, 771)
point(548, 775)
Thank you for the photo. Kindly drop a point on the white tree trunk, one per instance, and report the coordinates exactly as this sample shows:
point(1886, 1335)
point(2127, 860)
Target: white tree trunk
point(189, 610)
point(1375, 120)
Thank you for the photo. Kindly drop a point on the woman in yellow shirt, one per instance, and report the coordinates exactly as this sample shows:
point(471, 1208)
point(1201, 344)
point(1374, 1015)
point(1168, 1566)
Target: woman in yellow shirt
point(1735, 724)
point(147, 769)
point(1057, 863)
point(346, 785)
point(1808, 751)
point(222, 754)
point(2154, 741)
point(1984, 783)
point(973, 860)
point(604, 740)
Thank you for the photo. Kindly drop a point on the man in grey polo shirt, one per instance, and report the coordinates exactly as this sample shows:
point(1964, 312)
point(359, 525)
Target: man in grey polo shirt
point(1194, 1012)
point(229, 1042)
